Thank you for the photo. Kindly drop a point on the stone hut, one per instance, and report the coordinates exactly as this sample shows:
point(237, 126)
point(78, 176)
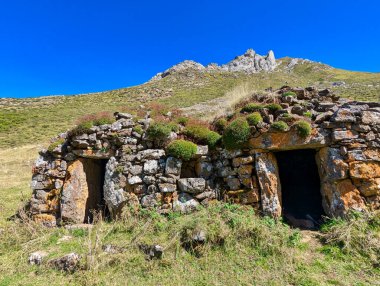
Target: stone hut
point(336, 168)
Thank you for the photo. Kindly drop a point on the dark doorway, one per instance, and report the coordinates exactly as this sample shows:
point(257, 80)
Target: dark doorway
point(95, 172)
point(300, 185)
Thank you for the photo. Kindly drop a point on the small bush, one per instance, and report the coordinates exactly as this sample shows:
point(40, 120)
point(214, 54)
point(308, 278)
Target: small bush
point(213, 139)
point(251, 107)
point(221, 124)
point(138, 129)
point(182, 149)
point(280, 125)
point(273, 107)
point(254, 118)
point(202, 135)
point(236, 134)
point(159, 130)
point(303, 128)
point(307, 114)
point(182, 120)
point(55, 144)
point(102, 121)
point(289, 93)
point(81, 128)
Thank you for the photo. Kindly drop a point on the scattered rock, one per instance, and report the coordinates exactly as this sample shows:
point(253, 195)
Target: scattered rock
point(68, 263)
point(37, 257)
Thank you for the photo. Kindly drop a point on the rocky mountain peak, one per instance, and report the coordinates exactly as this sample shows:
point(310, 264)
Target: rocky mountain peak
point(249, 62)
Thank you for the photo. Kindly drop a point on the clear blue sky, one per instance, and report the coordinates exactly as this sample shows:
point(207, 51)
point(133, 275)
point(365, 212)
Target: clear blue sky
point(79, 46)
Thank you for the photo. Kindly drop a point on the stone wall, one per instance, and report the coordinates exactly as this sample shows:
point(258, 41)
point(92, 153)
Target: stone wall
point(139, 173)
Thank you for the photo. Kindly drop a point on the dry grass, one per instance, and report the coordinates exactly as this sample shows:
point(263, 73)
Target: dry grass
point(242, 249)
point(16, 164)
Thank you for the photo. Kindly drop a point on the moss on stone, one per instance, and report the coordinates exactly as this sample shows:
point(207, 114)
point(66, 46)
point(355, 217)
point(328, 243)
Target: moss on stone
point(182, 149)
point(236, 134)
point(303, 128)
point(280, 125)
point(254, 118)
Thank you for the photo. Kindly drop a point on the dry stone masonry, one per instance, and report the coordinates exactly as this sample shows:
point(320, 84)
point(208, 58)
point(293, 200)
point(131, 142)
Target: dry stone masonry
point(113, 166)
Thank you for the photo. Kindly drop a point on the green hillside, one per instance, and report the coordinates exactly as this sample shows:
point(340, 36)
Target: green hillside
point(36, 120)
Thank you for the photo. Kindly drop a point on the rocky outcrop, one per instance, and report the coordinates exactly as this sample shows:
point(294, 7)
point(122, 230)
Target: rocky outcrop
point(250, 62)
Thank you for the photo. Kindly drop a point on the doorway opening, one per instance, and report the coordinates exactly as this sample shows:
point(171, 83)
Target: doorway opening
point(300, 187)
point(95, 172)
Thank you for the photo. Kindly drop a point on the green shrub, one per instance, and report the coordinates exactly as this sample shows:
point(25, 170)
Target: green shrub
point(182, 149)
point(138, 129)
point(280, 125)
point(254, 118)
point(81, 128)
point(251, 107)
point(273, 107)
point(303, 128)
point(236, 134)
point(221, 124)
point(182, 120)
point(55, 144)
point(173, 126)
point(102, 121)
point(307, 114)
point(159, 130)
point(289, 93)
point(202, 135)
point(213, 139)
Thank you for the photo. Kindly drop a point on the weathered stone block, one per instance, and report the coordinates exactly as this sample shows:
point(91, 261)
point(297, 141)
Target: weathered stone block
point(192, 185)
point(173, 166)
point(269, 181)
point(364, 170)
point(167, 188)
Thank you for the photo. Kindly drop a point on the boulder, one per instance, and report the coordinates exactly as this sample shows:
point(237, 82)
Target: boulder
point(364, 170)
point(151, 201)
point(233, 183)
point(151, 154)
point(339, 135)
point(331, 165)
point(76, 192)
point(167, 188)
point(371, 117)
point(67, 263)
point(185, 203)
point(151, 167)
point(152, 251)
point(37, 257)
point(204, 169)
point(341, 196)
point(192, 185)
point(368, 187)
point(173, 166)
point(113, 194)
point(343, 115)
point(269, 181)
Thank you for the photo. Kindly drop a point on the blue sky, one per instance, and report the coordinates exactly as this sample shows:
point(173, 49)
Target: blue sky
point(79, 46)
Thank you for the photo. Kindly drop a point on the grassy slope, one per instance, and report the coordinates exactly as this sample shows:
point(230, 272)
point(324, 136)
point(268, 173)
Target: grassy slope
point(31, 120)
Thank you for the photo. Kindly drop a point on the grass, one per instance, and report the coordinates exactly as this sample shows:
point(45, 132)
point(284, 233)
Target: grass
point(241, 247)
point(255, 251)
point(36, 120)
